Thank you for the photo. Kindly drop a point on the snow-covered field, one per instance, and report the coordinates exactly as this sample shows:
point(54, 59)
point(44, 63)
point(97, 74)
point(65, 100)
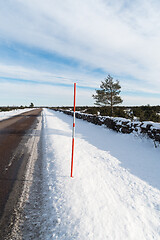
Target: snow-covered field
point(115, 192)
point(8, 114)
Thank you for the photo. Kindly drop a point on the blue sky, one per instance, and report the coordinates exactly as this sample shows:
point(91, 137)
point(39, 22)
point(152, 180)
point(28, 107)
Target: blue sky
point(46, 46)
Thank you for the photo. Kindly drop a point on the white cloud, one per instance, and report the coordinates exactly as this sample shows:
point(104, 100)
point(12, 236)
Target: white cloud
point(137, 101)
point(41, 94)
point(122, 37)
point(64, 76)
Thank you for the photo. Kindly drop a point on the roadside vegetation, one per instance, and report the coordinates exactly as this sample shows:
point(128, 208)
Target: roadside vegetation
point(10, 108)
point(140, 113)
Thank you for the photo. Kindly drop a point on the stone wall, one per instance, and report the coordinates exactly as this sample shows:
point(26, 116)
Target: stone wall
point(126, 126)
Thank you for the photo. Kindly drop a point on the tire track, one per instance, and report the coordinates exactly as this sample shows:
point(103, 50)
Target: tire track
point(17, 137)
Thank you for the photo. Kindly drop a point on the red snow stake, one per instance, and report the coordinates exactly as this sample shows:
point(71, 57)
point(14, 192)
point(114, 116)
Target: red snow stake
point(73, 133)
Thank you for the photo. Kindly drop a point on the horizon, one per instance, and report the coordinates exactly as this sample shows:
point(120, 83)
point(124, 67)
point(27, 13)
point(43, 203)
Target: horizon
point(77, 106)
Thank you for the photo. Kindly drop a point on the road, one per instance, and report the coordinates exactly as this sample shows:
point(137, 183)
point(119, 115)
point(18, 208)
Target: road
point(14, 134)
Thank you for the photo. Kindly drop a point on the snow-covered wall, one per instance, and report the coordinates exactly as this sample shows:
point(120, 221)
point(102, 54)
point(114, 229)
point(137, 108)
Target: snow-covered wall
point(123, 125)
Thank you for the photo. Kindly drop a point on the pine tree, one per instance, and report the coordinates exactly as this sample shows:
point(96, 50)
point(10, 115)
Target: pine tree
point(31, 105)
point(108, 95)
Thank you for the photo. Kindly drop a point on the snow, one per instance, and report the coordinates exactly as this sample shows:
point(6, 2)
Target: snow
point(8, 114)
point(115, 192)
point(122, 121)
point(154, 125)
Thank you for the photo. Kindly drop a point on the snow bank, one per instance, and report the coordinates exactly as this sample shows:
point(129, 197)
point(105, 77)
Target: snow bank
point(123, 125)
point(8, 114)
point(103, 200)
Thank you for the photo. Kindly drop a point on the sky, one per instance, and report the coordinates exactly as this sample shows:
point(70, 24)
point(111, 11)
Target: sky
point(47, 45)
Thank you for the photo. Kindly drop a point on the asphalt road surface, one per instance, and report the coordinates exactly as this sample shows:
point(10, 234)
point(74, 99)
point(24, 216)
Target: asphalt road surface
point(14, 132)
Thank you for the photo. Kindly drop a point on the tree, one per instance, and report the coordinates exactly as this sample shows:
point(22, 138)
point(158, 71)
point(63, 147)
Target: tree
point(108, 95)
point(31, 105)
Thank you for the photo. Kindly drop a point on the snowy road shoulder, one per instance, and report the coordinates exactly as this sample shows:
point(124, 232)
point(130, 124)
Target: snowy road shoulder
point(8, 114)
point(103, 200)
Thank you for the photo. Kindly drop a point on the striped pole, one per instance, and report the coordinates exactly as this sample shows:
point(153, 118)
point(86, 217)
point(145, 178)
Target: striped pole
point(73, 133)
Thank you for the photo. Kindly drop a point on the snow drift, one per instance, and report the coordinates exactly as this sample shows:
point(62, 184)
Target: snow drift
point(105, 199)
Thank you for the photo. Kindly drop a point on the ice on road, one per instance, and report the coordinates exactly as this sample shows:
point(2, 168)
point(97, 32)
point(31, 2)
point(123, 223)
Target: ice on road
point(111, 196)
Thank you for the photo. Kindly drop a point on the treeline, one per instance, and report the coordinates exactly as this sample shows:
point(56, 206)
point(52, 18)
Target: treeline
point(9, 108)
point(140, 113)
point(4, 109)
